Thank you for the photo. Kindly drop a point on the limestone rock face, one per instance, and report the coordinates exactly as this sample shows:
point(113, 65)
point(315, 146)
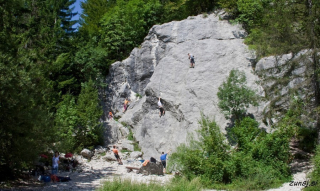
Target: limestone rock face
point(161, 68)
point(127, 145)
point(135, 154)
point(113, 132)
point(281, 76)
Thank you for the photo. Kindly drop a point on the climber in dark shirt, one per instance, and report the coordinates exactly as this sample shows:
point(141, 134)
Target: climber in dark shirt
point(191, 58)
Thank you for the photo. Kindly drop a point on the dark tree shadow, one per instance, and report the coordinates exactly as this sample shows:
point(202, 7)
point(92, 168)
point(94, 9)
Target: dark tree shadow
point(229, 135)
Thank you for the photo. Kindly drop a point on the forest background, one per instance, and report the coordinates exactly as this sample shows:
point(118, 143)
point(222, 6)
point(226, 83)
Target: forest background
point(51, 73)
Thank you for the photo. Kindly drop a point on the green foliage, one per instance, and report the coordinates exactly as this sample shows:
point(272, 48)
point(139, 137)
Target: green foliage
point(126, 25)
point(315, 174)
point(66, 119)
point(130, 135)
point(177, 184)
point(181, 9)
point(93, 11)
point(138, 95)
point(234, 96)
point(259, 157)
point(77, 124)
point(136, 147)
point(30, 40)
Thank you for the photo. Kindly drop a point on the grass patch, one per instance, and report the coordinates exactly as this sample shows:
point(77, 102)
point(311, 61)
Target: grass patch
point(130, 135)
point(204, 15)
point(124, 124)
point(136, 146)
point(103, 154)
point(125, 150)
point(131, 138)
point(138, 95)
point(177, 184)
point(315, 174)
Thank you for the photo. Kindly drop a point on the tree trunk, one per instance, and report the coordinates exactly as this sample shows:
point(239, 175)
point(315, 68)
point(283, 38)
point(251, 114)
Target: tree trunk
point(315, 63)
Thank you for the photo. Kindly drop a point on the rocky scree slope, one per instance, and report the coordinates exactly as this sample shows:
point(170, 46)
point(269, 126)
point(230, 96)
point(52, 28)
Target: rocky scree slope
point(160, 67)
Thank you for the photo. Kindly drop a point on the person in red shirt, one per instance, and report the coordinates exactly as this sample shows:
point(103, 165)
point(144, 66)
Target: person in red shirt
point(116, 154)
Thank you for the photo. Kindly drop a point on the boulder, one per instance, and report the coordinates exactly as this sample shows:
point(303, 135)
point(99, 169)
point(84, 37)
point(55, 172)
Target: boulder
point(135, 154)
point(160, 67)
point(127, 145)
point(152, 168)
point(86, 153)
point(99, 149)
point(109, 157)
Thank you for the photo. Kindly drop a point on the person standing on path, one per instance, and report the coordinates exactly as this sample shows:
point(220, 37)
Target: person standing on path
point(55, 163)
point(116, 154)
point(191, 58)
point(163, 159)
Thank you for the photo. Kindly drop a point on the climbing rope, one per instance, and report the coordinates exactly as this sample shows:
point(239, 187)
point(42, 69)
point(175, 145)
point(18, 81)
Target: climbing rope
point(160, 80)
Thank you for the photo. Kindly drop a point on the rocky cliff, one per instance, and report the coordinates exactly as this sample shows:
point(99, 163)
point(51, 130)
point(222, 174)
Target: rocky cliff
point(160, 67)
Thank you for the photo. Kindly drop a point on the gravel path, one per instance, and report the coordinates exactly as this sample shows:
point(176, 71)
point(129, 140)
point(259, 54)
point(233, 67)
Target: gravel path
point(94, 173)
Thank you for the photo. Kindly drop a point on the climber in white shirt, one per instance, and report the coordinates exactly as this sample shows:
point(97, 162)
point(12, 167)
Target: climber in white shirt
point(162, 112)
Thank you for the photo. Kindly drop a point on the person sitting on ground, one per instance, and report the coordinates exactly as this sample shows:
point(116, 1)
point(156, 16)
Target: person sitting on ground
point(55, 163)
point(191, 58)
point(125, 105)
point(116, 154)
point(110, 116)
point(163, 159)
point(161, 112)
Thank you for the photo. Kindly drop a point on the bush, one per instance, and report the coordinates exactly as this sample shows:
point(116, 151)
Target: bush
point(258, 157)
point(315, 174)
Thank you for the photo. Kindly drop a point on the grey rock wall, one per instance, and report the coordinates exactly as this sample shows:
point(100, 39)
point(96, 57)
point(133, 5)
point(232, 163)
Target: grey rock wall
point(160, 67)
point(282, 77)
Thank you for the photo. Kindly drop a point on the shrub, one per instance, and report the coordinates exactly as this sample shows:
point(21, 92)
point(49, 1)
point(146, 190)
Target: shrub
point(258, 157)
point(315, 174)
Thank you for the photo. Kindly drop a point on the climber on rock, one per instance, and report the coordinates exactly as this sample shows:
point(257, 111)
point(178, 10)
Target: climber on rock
point(162, 112)
point(110, 116)
point(125, 105)
point(191, 58)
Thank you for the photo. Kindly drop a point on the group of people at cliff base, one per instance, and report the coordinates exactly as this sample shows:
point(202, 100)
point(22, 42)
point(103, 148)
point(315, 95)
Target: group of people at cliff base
point(47, 177)
point(163, 158)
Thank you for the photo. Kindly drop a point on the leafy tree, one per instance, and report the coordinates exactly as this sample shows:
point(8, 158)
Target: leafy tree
point(181, 9)
point(93, 11)
point(126, 25)
point(234, 96)
point(89, 129)
point(203, 155)
point(77, 122)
